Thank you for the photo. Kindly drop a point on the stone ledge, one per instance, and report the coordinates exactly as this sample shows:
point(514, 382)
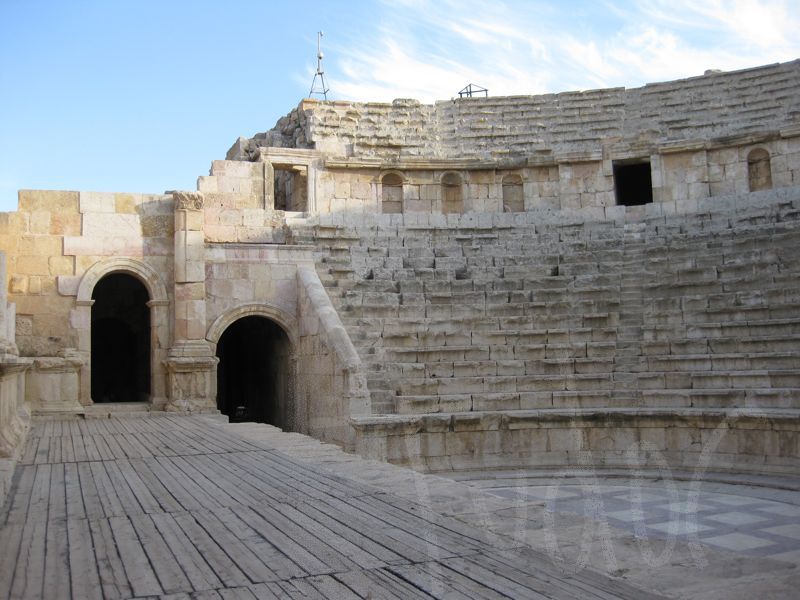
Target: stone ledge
point(524, 419)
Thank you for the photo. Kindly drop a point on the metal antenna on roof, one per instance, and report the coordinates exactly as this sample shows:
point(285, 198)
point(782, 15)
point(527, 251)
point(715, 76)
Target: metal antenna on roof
point(322, 89)
point(473, 90)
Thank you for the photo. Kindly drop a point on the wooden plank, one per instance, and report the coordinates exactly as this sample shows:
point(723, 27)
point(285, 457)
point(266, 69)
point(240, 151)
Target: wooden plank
point(56, 563)
point(16, 505)
point(586, 583)
point(434, 534)
point(256, 567)
point(346, 554)
point(31, 449)
point(235, 464)
point(328, 587)
point(341, 528)
point(240, 593)
point(303, 556)
point(479, 536)
point(79, 449)
point(91, 497)
point(72, 492)
point(92, 452)
point(277, 562)
point(42, 451)
point(67, 451)
point(166, 500)
point(135, 446)
point(29, 570)
point(106, 491)
point(9, 551)
point(265, 591)
point(54, 453)
point(169, 572)
point(111, 572)
point(155, 445)
point(185, 499)
point(200, 574)
point(238, 486)
point(84, 580)
point(122, 488)
point(57, 503)
point(225, 492)
point(40, 493)
point(437, 580)
point(139, 489)
point(103, 448)
point(224, 568)
point(379, 584)
point(117, 452)
point(201, 498)
point(207, 444)
point(403, 542)
point(138, 569)
point(475, 569)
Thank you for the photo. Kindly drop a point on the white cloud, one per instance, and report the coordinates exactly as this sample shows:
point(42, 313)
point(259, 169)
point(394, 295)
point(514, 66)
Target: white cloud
point(430, 50)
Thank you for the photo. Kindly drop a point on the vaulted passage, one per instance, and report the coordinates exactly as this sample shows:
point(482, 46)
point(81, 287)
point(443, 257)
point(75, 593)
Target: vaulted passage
point(120, 340)
point(253, 382)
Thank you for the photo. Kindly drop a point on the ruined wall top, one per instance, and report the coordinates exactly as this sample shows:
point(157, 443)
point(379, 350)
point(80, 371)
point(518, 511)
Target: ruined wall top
point(713, 107)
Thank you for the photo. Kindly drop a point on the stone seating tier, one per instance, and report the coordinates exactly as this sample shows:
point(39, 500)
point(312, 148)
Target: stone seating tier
point(694, 311)
point(714, 106)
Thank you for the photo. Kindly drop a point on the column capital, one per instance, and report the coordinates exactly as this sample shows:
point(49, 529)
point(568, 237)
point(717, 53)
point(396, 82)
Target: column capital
point(188, 200)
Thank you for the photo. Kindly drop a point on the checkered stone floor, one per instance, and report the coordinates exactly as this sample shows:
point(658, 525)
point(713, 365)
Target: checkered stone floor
point(747, 524)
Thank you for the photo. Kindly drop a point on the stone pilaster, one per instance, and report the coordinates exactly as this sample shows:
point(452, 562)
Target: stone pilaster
point(190, 364)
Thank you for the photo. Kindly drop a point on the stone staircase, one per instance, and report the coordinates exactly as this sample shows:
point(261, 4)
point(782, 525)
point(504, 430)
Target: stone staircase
point(693, 311)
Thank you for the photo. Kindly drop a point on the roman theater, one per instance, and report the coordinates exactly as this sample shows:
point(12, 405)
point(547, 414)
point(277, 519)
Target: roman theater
point(600, 282)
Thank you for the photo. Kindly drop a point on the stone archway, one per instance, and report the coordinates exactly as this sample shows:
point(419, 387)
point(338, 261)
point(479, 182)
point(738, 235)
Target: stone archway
point(255, 374)
point(120, 348)
point(158, 306)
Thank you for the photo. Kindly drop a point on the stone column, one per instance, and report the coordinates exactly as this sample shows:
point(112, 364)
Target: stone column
point(190, 363)
point(14, 414)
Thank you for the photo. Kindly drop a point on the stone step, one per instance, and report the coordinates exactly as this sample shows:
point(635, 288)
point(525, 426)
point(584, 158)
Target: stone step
point(723, 398)
point(724, 362)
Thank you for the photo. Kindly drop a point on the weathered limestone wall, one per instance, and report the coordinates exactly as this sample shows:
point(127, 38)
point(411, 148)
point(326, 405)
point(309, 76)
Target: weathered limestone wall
point(57, 239)
point(331, 381)
point(696, 136)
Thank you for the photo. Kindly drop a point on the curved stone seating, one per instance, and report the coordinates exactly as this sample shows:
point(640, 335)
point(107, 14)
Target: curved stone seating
point(678, 323)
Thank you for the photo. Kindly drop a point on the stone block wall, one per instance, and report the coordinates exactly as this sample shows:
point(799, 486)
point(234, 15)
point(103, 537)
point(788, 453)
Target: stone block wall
point(685, 315)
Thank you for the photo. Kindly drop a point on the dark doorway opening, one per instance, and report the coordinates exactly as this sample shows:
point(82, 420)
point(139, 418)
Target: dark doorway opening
point(253, 373)
point(120, 340)
point(632, 183)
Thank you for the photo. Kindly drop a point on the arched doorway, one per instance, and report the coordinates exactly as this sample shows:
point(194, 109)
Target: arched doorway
point(120, 351)
point(253, 374)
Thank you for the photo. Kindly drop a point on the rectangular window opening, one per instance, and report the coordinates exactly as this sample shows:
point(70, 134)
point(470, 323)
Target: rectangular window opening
point(290, 186)
point(633, 185)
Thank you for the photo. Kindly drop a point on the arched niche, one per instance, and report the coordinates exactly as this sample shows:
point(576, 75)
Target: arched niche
point(159, 321)
point(759, 170)
point(452, 193)
point(513, 197)
point(392, 193)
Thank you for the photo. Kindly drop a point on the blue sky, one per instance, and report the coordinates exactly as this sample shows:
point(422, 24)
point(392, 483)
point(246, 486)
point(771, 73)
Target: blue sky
point(141, 96)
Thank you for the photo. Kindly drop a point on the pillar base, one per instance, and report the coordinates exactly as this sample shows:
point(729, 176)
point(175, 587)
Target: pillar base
point(191, 378)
